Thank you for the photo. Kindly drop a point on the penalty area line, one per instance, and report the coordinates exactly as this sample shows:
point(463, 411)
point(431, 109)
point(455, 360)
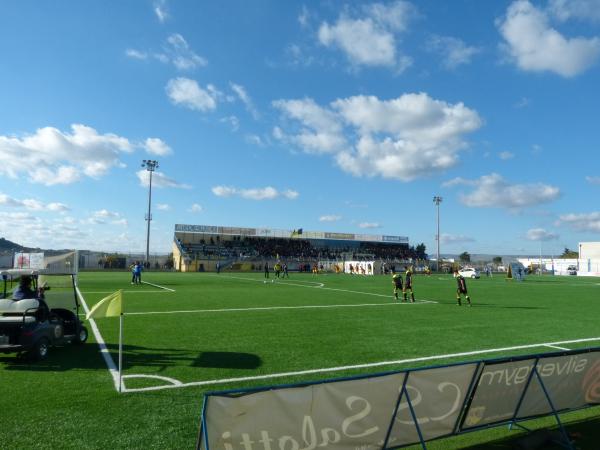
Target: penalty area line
point(159, 286)
point(274, 308)
point(355, 366)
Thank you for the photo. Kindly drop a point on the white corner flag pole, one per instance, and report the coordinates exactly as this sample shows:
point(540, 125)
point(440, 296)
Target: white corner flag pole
point(120, 351)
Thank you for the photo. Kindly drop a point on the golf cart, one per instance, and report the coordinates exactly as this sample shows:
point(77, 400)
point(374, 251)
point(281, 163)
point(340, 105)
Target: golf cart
point(32, 325)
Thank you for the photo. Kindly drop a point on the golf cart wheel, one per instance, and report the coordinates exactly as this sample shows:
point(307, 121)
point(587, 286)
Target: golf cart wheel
point(81, 336)
point(40, 349)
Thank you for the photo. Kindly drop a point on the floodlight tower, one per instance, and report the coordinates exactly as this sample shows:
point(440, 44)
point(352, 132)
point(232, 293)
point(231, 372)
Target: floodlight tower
point(437, 200)
point(150, 165)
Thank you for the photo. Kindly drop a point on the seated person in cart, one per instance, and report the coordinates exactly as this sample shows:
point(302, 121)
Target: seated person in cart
point(24, 291)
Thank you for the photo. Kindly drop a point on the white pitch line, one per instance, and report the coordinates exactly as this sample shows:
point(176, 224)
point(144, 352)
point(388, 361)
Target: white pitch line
point(112, 368)
point(322, 287)
point(273, 308)
point(358, 366)
point(277, 280)
point(125, 291)
point(159, 286)
point(556, 346)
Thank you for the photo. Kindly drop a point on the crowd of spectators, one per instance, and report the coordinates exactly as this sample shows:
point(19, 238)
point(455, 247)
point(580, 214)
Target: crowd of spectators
point(300, 249)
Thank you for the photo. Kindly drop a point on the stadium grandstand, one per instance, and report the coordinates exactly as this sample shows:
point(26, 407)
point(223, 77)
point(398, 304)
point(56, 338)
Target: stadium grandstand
point(201, 247)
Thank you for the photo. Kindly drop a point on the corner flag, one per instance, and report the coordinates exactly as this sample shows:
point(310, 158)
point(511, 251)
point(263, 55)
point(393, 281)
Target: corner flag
point(109, 306)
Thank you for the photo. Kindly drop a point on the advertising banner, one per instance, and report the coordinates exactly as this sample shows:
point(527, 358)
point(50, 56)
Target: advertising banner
point(498, 392)
point(572, 381)
point(29, 261)
point(399, 409)
point(437, 396)
point(352, 414)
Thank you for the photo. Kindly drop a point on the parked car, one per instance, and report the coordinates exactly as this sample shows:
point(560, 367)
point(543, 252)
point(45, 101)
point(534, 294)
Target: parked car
point(572, 270)
point(469, 272)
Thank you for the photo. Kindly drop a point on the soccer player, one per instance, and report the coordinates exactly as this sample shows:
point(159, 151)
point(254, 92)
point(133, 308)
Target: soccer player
point(277, 269)
point(397, 283)
point(461, 289)
point(266, 269)
point(408, 285)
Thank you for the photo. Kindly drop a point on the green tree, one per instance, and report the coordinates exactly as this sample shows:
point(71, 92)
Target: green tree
point(464, 257)
point(570, 254)
point(420, 251)
point(497, 260)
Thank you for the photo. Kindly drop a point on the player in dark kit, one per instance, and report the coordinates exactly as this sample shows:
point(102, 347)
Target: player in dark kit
point(408, 286)
point(397, 282)
point(461, 289)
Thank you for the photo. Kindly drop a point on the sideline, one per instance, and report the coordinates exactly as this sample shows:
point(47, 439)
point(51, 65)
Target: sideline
point(112, 368)
point(178, 384)
point(158, 286)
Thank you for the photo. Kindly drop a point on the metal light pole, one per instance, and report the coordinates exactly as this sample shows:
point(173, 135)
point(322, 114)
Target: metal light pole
point(150, 165)
point(437, 200)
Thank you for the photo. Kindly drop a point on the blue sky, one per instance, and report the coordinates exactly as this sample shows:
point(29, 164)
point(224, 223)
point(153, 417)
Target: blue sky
point(322, 115)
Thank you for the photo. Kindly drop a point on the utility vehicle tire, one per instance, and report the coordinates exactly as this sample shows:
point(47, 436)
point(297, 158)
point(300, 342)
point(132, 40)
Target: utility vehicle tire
point(81, 336)
point(40, 349)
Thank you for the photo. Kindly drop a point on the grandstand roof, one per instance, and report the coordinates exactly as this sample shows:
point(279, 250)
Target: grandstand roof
point(290, 234)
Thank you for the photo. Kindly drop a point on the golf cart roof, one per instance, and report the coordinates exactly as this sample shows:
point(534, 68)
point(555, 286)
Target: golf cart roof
point(19, 272)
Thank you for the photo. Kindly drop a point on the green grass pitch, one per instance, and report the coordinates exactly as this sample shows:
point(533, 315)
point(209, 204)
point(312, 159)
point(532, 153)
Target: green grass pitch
point(204, 329)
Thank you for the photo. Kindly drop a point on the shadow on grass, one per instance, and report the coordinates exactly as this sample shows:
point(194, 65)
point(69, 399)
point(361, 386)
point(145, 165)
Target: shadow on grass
point(584, 434)
point(228, 360)
point(59, 359)
point(88, 357)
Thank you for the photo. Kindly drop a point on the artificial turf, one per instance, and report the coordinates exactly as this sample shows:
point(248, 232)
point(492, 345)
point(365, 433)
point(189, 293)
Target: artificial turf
point(233, 325)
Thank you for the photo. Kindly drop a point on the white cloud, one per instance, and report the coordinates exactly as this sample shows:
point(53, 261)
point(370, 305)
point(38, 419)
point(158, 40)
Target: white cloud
point(403, 138)
point(540, 234)
point(454, 51)
point(233, 121)
point(136, 54)
point(493, 191)
point(163, 207)
point(32, 204)
point(181, 55)
point(266, 193)
point(304, 16)
point(330, 218)
point(160, 9)
point(195, 208)
point(506, 155)
point(158, 147)
point(105, 214)
point(159, 179)
point(582, 222)
point(523, 103)
point(321, 130)
point(593, 180)
point(446, 238)
point(369, 225)
point(245, 98)
point(254, 140)
point(585, 10)
point(50, 156)
point(187, 92)
point(370, 39)
point(535, 46)
point(175, 50)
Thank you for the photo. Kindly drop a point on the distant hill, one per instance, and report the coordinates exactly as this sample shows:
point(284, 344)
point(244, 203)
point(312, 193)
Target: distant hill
point(7, 246)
